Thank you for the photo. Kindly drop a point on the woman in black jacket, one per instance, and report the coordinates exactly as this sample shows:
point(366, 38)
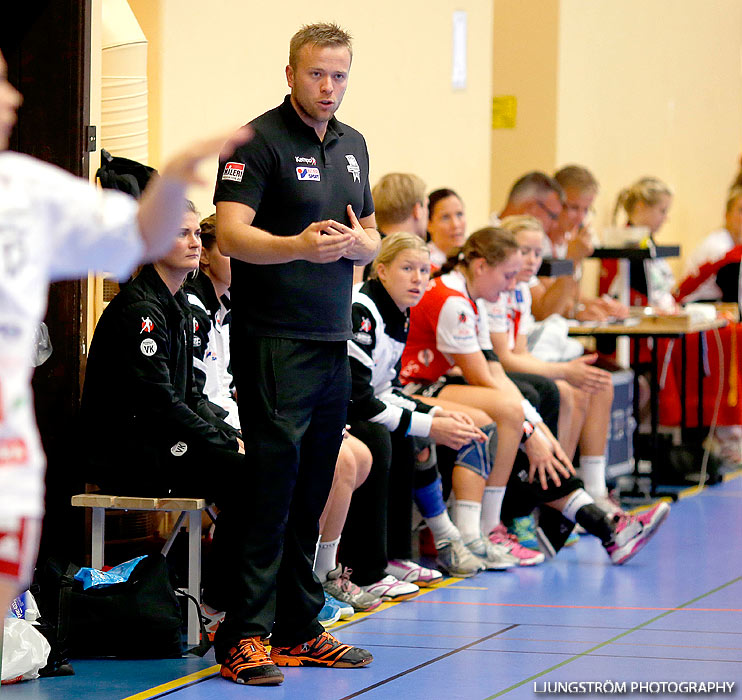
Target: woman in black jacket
point(147, 428)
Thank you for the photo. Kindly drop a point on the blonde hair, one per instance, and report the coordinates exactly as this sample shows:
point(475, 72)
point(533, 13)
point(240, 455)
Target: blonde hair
point(576, 176)
point(734, 194)
point(521, 222)
point(393, 245)
point(395, 196)
point(648, 190)
point(320, 34)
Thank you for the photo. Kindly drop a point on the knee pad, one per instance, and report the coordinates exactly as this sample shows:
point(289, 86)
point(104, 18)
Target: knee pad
point(478, 456)
point(420, 444)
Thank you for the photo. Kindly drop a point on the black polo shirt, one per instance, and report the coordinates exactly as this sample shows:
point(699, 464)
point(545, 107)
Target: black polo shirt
point(291, 179)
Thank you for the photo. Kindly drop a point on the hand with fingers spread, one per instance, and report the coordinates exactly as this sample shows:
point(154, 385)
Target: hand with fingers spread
point(547, 459)
point(580, 373)
point(183, 166)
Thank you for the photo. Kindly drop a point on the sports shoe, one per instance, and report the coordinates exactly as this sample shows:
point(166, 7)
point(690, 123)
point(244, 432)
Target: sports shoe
point(493, 556)
point(212, 619)
point(406, 570)
point(651, 516)
point(524, 529)
point(340, 587)
point(249, 663)
point(390, 588)
point(323, 650)
point(573, 539)
point(633, 532)
point(330, 612)
point(525, 556)
point(609, 504)
point(456, 560)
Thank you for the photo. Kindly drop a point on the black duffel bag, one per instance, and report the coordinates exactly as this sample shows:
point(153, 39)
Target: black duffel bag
point(139, 618)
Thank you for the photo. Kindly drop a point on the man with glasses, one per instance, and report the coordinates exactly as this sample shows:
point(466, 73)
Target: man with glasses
point(570, 238)
point(535, 194)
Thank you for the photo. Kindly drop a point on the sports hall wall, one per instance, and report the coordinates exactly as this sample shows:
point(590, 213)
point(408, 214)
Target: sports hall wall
point(217, 65)
point(629, 88)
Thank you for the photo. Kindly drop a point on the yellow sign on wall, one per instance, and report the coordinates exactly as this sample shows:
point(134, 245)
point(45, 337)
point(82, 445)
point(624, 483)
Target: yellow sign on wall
point(504, 111)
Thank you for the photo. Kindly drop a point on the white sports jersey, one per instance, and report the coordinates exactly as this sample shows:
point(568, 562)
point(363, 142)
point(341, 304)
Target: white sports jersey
point(52, 226)
point(511, 313)
point(712, 248)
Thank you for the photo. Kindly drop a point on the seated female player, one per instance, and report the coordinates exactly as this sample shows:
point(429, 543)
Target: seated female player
point(147, 428)
point(402, 433)
point(449, 328)
point(584, 391)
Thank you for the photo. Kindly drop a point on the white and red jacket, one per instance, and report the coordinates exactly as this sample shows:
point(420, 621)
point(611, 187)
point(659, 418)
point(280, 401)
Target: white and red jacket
point(511, 313)
point(445, 322)
point(706, 264)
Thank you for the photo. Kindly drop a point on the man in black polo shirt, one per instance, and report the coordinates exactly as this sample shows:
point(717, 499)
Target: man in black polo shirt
point(295, 214)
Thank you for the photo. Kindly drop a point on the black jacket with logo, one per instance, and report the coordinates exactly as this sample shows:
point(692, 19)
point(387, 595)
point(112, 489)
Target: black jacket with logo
point(140, 400)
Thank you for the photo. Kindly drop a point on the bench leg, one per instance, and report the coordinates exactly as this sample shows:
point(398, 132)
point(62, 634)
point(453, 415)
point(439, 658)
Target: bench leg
point(98, 537)
point(173, 534)
point(194, 573)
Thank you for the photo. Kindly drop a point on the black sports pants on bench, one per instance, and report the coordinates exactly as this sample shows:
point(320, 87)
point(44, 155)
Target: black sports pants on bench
point(293, 397)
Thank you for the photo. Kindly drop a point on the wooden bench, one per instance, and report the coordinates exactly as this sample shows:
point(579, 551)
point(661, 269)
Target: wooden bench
point(189, 508)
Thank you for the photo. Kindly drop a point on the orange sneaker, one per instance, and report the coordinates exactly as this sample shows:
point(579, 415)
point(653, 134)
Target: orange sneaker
point(323, 650)
point(249, 664)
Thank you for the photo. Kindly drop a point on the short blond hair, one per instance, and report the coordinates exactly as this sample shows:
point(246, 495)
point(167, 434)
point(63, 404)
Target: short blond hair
point(395, 197)
point(521, 222)
point(392, 246)
point(577, 177)
point(647, 190)
point(320, 34)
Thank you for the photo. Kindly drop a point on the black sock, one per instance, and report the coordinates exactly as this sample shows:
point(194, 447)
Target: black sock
point(597, 522)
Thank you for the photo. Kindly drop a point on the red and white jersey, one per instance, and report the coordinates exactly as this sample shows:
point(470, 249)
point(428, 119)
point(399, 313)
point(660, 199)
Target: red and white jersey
point(700, 272)
point(511, 313)
point(445, 322)
point(52, 226)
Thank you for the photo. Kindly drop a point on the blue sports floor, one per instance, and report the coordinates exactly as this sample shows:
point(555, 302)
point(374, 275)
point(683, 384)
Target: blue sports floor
point(673, 613)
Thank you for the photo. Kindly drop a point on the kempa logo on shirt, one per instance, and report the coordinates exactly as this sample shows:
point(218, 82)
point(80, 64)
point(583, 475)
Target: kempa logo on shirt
point(354, 168)
point(147, 325)
point(308, 161)
point(233, 171)
point(148, 347)
point(307, 174)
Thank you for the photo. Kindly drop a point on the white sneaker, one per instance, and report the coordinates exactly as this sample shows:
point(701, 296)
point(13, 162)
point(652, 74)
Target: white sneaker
point(391, 588)
point(409, 571)
point(456, 560)
point(494, 556)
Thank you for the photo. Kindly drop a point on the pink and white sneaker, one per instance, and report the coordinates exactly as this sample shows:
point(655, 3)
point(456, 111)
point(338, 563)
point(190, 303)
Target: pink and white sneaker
point(409, 571)
point(391, 588)
point(525, 556)
point(634, 531)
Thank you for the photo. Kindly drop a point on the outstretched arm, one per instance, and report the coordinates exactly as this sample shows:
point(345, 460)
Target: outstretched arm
point(163, 202)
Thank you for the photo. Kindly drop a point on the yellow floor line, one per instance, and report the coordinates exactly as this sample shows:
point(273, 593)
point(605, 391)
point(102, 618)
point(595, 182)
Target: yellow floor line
point(731, 475)
point(185, 680)
point(212, 670)
point(172, 685)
